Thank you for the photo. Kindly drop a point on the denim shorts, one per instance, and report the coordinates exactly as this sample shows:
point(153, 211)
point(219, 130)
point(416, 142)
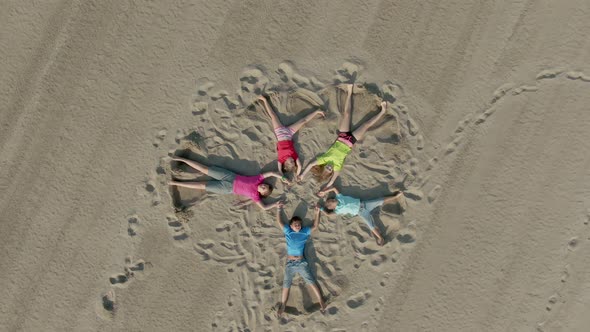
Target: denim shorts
point(223, 183)
point(366, 208)
point(300, 267)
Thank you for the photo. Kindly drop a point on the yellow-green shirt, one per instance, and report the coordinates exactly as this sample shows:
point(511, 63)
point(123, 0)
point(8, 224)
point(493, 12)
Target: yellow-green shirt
point(335, 155)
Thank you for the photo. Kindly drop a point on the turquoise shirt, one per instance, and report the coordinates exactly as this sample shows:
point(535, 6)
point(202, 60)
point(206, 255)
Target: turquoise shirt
point(347, 205)
point(296, 240)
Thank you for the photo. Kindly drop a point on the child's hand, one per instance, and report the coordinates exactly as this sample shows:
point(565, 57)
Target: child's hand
point(317, 208)
point(321, 193)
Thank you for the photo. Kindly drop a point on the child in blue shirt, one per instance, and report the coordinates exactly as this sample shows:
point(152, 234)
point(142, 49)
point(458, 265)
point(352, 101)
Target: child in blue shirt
point(346, 205)
point(296, 236)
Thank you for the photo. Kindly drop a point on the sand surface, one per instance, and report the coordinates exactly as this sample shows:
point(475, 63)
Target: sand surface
point(488, 135)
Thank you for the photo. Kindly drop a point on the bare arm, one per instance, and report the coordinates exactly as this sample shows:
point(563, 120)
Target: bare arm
point(323, 193)
point(243, 203)
point(268, 206)
point(334, 177)
point(316, 217)
point(298, 163)
point(276, 175)
point(280, 216)
point(309, 166)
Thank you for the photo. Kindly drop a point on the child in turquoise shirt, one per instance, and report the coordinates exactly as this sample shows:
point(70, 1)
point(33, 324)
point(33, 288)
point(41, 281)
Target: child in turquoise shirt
point(346, 205)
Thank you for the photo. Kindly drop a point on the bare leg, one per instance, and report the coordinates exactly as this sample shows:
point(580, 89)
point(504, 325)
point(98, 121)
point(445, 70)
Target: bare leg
point(198, 166)
point(317, 293)
point(378, 238)
point(359, 133)
point(191, 185)
point(346, 119)
point(397, 197)
point(297, 125)
point(284, 298)
point(276, 123)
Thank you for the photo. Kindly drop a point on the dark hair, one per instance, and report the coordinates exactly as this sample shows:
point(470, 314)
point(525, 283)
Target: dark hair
point(269, 191)
point(328, 210)
point(295, 218)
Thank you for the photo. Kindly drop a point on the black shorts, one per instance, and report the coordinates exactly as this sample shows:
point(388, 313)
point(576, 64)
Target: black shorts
point(347, 136)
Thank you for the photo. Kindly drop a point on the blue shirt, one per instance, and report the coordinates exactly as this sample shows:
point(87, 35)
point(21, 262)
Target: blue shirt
point(347, 205)
point(296, 240)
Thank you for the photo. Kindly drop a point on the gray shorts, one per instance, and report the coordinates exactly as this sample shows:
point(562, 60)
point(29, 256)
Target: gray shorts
point(300, 267)
point(367, 207)
point(223, 183)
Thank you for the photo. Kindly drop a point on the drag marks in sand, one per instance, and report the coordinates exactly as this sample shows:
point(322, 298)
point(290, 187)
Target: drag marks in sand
point(251, 247)
point(565, 291)
point(468, 123)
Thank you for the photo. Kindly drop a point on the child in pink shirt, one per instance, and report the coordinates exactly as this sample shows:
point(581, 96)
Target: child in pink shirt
point(227, 182)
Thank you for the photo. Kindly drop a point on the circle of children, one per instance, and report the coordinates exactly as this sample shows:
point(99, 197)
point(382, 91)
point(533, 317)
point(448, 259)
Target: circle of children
point(326, 167)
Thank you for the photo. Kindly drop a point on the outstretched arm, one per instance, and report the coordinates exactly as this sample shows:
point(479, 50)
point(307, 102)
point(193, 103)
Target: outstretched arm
point(243, 203)
point(316, 217)
point(323, 193)
point(307, 169)
point(299, 167)
point(280, 216)
point(268, 206)
point(335, 175)
point(276, 175)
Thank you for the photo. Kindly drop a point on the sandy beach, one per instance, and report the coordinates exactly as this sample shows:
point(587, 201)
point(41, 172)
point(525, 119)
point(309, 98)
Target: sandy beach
point(486, 133)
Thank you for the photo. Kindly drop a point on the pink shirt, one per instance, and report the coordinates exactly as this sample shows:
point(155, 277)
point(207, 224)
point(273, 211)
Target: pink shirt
point(248, 186)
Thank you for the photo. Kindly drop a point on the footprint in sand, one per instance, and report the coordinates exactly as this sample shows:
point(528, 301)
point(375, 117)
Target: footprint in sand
point(434, 193)
point(572, 244)
point(501, 92)
point(150, 187)
point(160, 136)
point(392, 91)
point(347, 73)
point(420, 142)
point(552, 301)
point(452, 147)
point(378, 259)
point(118, 279)
point(577, 75)
point(380, 302)
point(412, 126)
point(132, 225)
point(463, 124)
point(204, 85)
point(291, 77)
point(109, 302)
point(358, 299)
point(385, 279)
point(548, 73)
point(199, 108)
point(524, 88)
point(178, 229)
point(407, 235)
point(485, 115)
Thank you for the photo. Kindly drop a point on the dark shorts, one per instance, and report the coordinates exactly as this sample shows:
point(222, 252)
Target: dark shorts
point(347, 137)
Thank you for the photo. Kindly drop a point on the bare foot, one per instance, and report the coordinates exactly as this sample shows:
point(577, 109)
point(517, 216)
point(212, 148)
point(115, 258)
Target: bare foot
point(321, 113)
point(383, 106)
point(323, 307)
point(380, 241)
point(281, 309)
